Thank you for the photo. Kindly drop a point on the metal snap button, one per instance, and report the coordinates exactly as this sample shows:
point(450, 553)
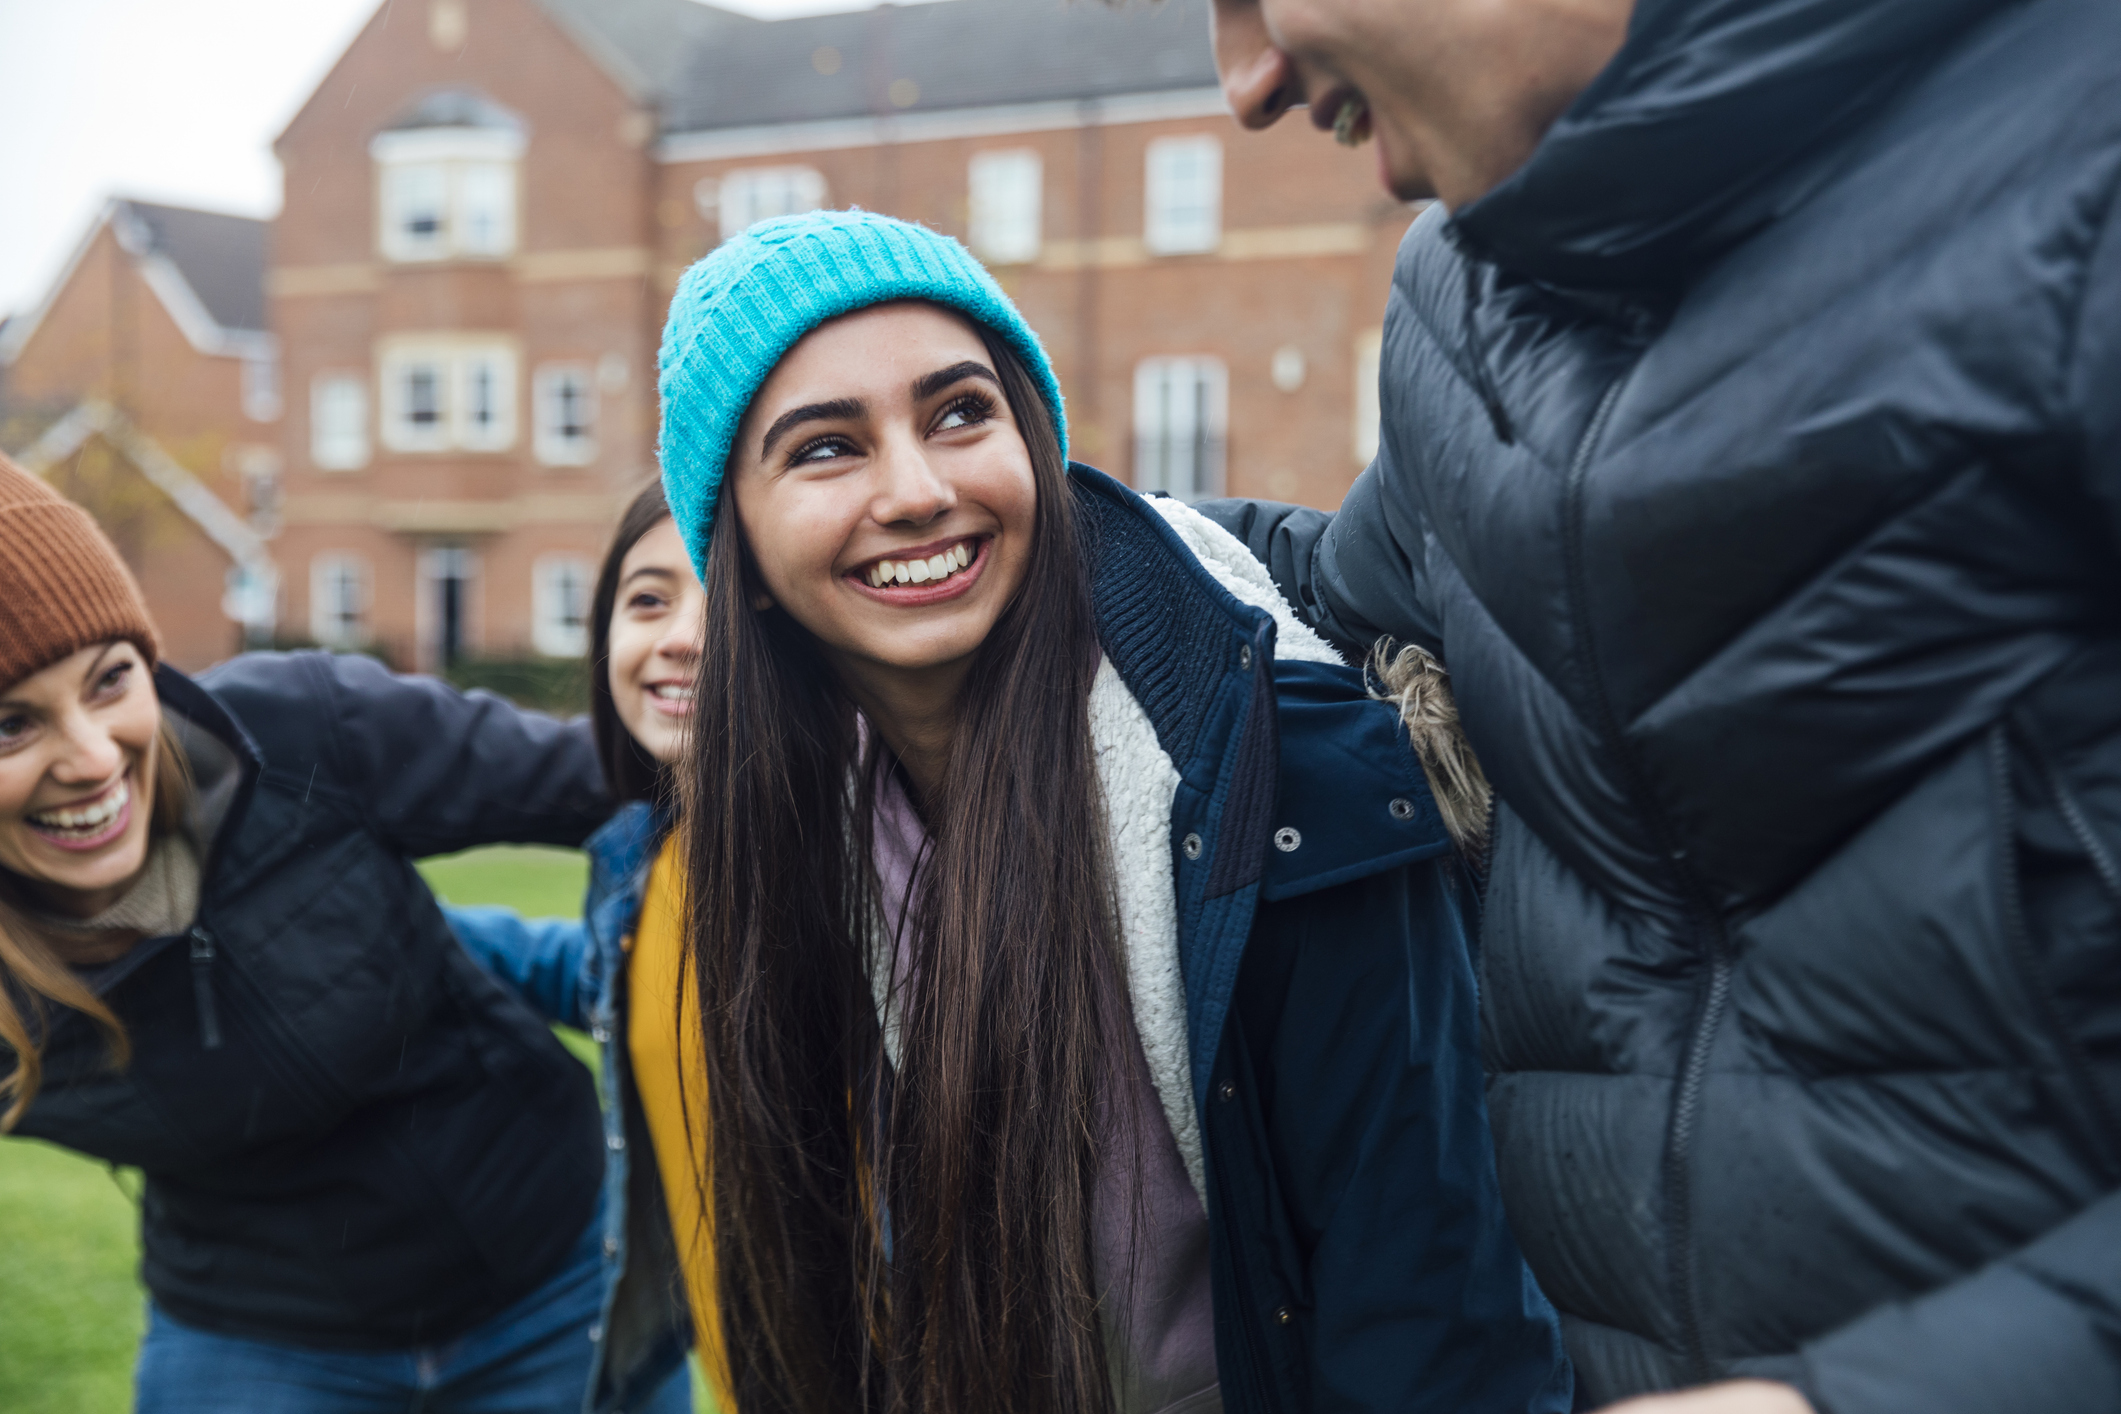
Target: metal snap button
point(1191, 845)
point(1283, 1315)
point(611, 1246)
point(615, 1142)
point(599, 1034)
point(1244, 657)
point(1286, 840)
point(1227, 1090)
point(1402, 808)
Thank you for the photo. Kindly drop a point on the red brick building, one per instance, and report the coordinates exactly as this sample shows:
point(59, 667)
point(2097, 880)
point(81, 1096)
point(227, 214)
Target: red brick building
point(488, 203)
point(146, 387)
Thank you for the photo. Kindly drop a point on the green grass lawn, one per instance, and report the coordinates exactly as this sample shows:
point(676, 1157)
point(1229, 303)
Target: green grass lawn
point(70, 1299)
point(534, 880)
point(70, 1307)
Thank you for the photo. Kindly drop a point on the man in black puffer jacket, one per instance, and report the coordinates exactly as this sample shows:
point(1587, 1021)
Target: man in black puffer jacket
point(1751, 454)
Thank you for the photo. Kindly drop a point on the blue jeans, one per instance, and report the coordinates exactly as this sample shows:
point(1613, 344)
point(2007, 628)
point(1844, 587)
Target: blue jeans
point(533, 1358)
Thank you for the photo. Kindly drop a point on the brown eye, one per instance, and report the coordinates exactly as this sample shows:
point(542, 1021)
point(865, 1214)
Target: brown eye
point(824, 449)
point(968, 411)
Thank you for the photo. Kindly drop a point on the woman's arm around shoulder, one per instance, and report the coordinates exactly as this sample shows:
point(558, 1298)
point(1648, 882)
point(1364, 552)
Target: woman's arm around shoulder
point(1354, 575)
point(431, 769)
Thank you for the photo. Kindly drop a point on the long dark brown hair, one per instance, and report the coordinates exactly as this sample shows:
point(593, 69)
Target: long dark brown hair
point(909, 1238)
point(630, 772)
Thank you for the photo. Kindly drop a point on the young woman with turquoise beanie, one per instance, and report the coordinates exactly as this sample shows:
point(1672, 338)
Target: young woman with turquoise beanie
point(1089, 1020)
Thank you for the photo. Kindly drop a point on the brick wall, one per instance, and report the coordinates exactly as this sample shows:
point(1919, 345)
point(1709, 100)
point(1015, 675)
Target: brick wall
point(576, 289)
point(604, 227)
point(105, 334)
point(1305, 263)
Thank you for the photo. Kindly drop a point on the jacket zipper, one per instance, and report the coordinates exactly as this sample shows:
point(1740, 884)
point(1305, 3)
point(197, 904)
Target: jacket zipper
point(2092, 1097)
point(1682, 1274)
point(202, 987)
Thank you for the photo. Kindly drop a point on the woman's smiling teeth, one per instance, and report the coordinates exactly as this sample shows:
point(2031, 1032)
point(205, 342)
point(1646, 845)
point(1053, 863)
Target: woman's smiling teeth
point(85, 820)
point(937, 566)
point(669, 692)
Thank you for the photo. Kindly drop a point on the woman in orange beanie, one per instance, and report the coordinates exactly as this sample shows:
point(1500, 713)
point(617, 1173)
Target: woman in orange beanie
point(370, 1171)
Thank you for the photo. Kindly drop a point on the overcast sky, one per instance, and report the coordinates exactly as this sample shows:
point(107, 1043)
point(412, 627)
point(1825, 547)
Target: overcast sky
point(170, 100)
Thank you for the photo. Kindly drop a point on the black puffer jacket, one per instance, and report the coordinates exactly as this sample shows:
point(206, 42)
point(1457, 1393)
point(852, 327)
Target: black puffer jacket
point(352, 1135)
point(1753, 457)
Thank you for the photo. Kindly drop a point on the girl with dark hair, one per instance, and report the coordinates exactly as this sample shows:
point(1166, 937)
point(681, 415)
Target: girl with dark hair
point(1089, 1021)
point(614, 972)
point(371, 1174)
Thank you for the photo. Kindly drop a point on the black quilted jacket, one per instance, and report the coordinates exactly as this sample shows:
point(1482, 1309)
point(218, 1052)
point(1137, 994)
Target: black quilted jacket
point(1753, 458)
point(352, 1135)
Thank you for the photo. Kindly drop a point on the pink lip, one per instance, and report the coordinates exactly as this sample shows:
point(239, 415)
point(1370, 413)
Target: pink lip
point(916, 596)
point(110, 832)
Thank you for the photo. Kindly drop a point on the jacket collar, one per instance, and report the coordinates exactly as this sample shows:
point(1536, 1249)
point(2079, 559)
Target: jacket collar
point(225, 759)
point(1153, 600)
point(626, 843)
point(1699, 130)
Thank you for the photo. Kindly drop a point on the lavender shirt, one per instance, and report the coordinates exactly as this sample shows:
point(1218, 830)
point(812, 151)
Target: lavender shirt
point(1149, 1234)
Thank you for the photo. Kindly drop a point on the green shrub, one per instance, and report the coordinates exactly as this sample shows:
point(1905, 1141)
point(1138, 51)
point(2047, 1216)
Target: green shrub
point(558, 685)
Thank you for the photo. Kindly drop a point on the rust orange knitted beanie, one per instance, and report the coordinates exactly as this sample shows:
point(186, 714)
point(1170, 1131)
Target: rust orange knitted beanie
point(62, 585)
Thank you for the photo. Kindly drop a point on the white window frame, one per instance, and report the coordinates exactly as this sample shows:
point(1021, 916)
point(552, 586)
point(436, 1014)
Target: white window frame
point(338, 435)
point(402, 404)
point(406, 187)
point(1182, 195)
point(330, 573)
point(555, 579)
point(553, 441)
point(486, 398)
point(483, 223)
point(452, 165)
point(1007, 204)
point(1181, 426)
point(435, 564)
point(456, 363)
point(261, 385)
point(748, 195)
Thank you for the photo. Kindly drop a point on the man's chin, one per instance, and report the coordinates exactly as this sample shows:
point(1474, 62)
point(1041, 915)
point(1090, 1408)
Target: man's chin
point(1401, 179)
point(1406, 186)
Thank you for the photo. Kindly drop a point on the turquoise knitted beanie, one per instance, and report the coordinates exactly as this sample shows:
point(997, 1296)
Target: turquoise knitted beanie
point(738, 310)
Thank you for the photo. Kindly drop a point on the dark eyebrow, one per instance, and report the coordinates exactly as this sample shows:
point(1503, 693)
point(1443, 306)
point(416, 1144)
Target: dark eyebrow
point(838, 410)
point(932, 383)
point(659, 571)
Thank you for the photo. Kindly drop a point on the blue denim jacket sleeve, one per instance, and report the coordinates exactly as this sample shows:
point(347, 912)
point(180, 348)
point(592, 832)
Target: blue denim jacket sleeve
point(546, 960)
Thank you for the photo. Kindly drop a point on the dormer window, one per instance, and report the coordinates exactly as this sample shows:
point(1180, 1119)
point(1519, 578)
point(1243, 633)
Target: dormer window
point(446, 182)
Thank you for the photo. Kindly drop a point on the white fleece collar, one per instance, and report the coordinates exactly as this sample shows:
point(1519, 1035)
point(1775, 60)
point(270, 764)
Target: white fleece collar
point(1140, 783)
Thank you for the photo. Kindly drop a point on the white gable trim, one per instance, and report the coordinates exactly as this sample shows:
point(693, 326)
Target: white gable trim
point(163, 277)
point(166, 474)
